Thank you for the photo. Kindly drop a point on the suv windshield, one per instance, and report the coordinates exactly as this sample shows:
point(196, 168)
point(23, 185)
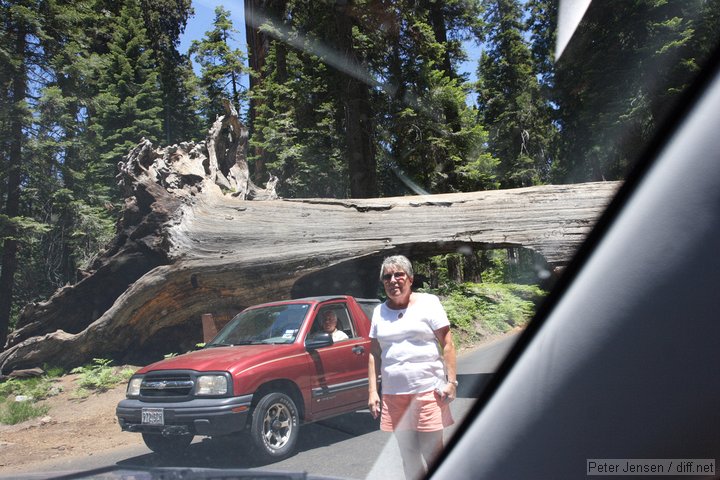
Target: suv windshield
point(278, 324)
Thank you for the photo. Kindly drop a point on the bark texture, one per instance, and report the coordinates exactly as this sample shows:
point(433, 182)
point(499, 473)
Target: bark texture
point(191, 242)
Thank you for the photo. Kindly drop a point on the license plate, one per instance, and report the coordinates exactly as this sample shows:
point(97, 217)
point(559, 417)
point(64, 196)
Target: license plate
point(153, 416)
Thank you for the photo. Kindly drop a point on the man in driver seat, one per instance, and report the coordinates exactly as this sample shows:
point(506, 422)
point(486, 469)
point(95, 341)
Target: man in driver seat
point(329, 325)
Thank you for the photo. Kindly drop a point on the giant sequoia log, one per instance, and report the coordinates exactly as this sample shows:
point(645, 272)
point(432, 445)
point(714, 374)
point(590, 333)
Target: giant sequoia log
point(190, 241)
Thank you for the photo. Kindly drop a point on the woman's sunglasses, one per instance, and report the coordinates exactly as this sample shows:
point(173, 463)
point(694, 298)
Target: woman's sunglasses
point(396, 275)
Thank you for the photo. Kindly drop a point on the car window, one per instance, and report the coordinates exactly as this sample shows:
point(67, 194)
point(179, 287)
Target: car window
point(344, 322)
point(452, 132)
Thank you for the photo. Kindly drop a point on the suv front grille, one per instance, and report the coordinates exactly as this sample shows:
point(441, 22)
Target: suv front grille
point(167, 385)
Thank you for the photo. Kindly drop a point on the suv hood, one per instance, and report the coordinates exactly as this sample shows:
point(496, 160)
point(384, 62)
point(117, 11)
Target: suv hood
point(226, 359)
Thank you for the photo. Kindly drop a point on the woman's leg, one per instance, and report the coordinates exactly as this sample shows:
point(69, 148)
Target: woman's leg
point(411, 454)
point(431, 444)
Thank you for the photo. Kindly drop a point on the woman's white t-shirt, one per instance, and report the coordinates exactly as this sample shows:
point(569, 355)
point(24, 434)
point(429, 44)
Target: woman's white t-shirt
point(411, 359)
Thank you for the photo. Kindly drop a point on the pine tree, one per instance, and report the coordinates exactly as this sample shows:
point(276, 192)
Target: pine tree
point(367, 83)
point(510, 101)
point(542, 25)
point(57, 177)
point(18, 26)
point(165, 21)
point(432, 141)
point(354, 100)
point(298, 122)
point(89, 74)
point(299, 125)
point(128, 106)
point(222, 67)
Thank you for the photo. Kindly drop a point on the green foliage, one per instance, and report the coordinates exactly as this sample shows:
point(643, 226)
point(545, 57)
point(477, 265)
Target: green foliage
point(651, 55)
point(542, 26)
point(297, 127)
point(511, 265)
point(12, 412)
point(33, 389)
point(485, 292)
point(17, 228)
point(511, 104)
point(100, 376)
point(128, 104)
point(477, 309)
point(165, 21)
point(37, 388)
point(433, 142)
point(53, 372)
point(78, 85)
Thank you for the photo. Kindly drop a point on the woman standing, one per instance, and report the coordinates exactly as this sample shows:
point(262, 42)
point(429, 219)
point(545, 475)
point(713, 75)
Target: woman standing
point(412, 347)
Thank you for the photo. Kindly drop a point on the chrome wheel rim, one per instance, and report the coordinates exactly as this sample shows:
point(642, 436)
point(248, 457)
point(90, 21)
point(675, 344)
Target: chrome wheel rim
point(277, 426)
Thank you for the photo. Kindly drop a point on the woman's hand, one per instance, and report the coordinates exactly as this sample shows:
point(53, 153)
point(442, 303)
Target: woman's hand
point(374, 404)
point(444, 337)
point(448, 393)
point(373, 373)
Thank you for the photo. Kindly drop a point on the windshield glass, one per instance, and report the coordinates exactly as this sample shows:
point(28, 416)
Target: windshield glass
point(168, 165)
point(278, 324)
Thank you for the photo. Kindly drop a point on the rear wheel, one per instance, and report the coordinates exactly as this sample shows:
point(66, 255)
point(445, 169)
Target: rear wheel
point(166, 445)
point(274, 429)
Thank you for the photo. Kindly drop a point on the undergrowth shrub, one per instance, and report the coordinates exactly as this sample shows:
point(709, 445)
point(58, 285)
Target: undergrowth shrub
point(36, 387)
point(12, 412)
point(31, 390)
point(100, 376)
point(479, 309)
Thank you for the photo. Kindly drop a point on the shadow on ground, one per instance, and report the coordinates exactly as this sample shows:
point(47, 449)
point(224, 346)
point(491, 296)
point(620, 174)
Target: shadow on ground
point(236, 452)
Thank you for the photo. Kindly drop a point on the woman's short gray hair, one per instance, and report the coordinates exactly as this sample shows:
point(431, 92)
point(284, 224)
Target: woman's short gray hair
point(398, 261)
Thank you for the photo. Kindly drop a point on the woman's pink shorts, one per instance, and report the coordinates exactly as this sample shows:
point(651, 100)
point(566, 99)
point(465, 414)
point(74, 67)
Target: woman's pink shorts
point(424, 412)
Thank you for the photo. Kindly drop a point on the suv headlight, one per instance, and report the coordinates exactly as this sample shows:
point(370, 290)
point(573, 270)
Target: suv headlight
point(211, 385)
point(133, 388)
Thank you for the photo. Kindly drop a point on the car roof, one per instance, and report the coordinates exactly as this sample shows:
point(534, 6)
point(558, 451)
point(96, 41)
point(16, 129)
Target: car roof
point(317, 299)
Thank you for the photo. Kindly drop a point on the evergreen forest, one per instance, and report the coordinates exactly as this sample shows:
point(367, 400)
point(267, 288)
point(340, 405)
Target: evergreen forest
point(341, 98)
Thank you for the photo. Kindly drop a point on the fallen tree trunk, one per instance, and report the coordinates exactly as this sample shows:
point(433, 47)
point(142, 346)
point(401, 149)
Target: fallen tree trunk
point(190, 242)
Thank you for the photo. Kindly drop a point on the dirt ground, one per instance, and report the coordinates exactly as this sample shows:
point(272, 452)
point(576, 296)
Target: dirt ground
point(73, 427)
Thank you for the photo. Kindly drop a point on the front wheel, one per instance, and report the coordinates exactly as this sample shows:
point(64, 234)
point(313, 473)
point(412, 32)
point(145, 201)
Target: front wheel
point(162, 445)
point(274, 429)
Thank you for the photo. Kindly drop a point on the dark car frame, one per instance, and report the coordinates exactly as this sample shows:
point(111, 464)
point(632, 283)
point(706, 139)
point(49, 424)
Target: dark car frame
point(621, 362)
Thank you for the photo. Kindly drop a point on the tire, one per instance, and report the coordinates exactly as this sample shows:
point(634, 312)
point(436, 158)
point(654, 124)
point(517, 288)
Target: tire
point(275, 425)
point(166, 445)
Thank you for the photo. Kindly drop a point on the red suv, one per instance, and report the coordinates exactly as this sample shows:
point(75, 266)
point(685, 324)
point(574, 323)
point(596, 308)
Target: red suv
point(271, 368)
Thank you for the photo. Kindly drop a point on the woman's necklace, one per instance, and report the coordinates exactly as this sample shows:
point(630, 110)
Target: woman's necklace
point(401, 310)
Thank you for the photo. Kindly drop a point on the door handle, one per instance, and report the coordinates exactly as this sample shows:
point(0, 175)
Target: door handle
point(358, 350)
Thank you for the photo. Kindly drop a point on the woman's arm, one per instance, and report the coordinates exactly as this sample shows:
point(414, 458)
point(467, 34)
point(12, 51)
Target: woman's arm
point(373, 373)
point(444, 337)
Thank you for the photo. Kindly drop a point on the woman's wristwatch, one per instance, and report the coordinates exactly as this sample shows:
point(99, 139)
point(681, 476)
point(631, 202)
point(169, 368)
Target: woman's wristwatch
point(454, 382)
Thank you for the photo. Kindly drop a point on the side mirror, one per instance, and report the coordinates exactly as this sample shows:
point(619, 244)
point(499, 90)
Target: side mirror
point(318, 340)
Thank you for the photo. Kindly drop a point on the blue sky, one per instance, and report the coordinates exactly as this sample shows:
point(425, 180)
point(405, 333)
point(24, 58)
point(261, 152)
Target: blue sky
point(201, 22)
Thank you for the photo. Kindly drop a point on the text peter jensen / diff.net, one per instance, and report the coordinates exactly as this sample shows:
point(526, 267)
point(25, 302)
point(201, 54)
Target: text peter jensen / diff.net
point(650, 466)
